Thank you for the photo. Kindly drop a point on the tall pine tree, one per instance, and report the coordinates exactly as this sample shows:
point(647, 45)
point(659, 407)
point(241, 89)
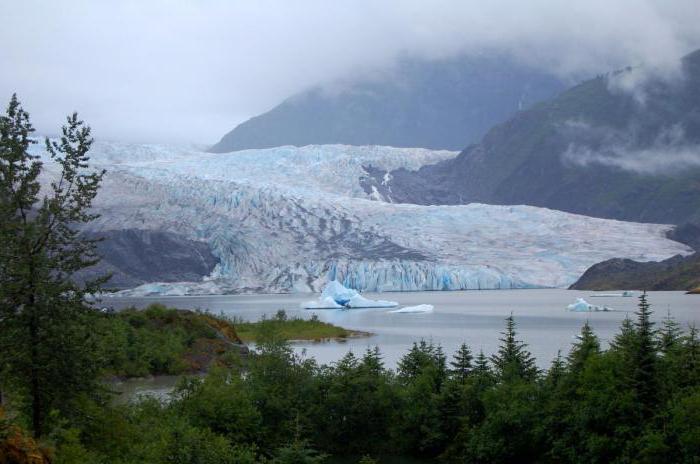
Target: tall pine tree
point(45, 338)
point(513, 361)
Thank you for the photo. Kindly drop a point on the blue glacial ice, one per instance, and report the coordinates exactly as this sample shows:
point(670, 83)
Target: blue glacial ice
point(335, 295)
point(291, 219)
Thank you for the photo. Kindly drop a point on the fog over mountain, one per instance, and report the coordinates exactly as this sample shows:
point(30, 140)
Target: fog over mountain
point(190, 71)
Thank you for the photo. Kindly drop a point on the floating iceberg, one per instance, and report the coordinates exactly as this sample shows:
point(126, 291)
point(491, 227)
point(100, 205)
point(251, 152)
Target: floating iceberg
point(422, 308)
point(626, 293)
point(361, 302)
point(335, 295)
point(324, 302)
point(582, 305)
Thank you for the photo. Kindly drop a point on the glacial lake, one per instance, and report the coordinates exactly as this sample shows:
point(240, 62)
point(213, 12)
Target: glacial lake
point(474, 317)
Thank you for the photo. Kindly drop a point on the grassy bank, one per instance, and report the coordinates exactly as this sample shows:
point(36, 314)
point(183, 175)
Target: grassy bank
point(165, 341)
point(285, 328)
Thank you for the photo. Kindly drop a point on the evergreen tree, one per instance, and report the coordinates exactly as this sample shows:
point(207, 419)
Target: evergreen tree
point(644, 356)
point(513, 361)
point(623, 342)
point(556, 371)
point(423, 357)
point(669, 336)
point(687, 369)
point(481, 365)
point(372, 361)
point(462, 364)
point(45, 341)
point(586, 346)
point(298, 452)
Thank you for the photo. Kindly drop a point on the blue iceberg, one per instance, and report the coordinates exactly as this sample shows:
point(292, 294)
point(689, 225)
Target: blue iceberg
point(336, 296)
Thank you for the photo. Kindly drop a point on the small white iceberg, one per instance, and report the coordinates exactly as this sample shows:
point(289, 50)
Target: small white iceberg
point(626, 293)
point(335, 296)
point(581, 305)
point(421, 308)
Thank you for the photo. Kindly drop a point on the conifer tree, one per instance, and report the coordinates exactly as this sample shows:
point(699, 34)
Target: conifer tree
point(462, 364)
point(623, 342)
point(586, 346)
point(669, 336)
point(481, 364)
point(372, 361)
point(45, 339)
point(644, 356)
point(556, 371)
point(513, 361)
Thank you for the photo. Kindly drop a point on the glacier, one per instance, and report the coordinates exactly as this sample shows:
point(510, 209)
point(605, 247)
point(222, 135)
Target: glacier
point(291, 219)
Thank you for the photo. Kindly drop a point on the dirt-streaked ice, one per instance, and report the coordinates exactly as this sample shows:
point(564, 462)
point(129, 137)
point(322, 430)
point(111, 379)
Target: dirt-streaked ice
point(291, 219)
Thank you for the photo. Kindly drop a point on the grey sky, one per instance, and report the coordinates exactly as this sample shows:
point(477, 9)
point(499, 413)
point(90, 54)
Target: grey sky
point(181, 71)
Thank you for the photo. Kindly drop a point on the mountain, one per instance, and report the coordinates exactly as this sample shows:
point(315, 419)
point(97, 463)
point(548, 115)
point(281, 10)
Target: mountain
point(623, 146)
point(289, 219)
point(676, 273)
point(445, 104)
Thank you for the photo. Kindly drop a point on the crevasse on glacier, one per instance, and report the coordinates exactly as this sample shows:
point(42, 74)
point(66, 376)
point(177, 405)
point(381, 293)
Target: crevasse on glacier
point(291, 219)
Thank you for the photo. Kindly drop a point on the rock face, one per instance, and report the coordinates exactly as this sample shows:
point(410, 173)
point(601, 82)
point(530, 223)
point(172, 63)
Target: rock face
point(676, 273)
point(291, 219)
point(137, 256)
point(444, 104)
point(621, 146)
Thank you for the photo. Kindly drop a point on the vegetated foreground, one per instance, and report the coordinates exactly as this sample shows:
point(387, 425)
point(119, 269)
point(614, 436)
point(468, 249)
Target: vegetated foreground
point(294, 329)
point(638, 401)
point(166, 341)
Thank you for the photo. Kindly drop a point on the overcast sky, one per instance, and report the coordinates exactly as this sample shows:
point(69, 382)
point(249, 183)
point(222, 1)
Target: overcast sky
point(180, 72)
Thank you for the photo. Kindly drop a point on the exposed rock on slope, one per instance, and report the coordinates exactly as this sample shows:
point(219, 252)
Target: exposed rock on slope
point(137, 256)
point(623, 146)
point(433, 104)
point(676, 273)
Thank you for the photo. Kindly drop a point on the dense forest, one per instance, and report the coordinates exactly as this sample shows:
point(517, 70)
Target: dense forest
point(637, 400)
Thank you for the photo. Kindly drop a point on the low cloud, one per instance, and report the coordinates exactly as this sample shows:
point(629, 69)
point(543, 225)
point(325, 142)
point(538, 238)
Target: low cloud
point(189, 71)
point(669, 154)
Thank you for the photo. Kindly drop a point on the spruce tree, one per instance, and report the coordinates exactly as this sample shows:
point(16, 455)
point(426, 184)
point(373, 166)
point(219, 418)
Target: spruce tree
point(481, 365)
point(669, 336)
point(46, 348)
point(372, 361)
point(586, 346)
point(513, 361)
point(556, 371)
point(462, 364)
point(644, 356)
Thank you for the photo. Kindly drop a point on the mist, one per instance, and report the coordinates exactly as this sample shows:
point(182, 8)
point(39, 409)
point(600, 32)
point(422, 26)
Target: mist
point(187, 72)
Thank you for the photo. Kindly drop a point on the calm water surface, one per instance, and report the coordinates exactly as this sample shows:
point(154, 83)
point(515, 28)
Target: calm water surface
point(474, 317)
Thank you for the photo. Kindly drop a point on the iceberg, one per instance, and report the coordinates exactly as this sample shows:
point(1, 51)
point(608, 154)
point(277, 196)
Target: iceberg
point(339, 293)
point(323, 302)
point(421, 308)
point(335, 296)
point(359, 301)
point(581, 305)
point(626, 293)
